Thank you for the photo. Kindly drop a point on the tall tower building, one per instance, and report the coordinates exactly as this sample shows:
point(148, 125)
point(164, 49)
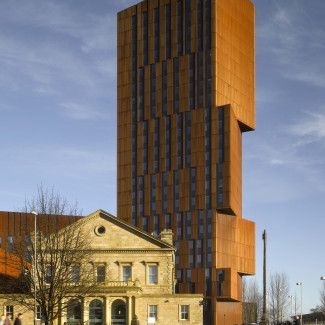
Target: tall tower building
point(186, 94)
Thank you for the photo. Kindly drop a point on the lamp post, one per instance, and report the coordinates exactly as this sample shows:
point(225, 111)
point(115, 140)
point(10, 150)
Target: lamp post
point(322, 277)
point(35, 256)
point(291, 305)
point(300, 284)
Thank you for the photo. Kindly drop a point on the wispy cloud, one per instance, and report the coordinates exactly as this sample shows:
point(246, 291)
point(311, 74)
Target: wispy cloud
point(294, 39)
point(310, 125)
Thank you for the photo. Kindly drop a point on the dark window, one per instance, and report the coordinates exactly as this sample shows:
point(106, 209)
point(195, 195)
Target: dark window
point(179, 140)
point(188, 225)
point(153, 193)
point(200, 228)
point(141, 194)
point(219, 185)
point(207, 282)
point(185, 312)
point(75, 273)
point(145, 36)
point(176, 84)
point(180, 27)
point(101, 273)
point(208, 223)
point(127, 273)
point(179, 220)
point(188, 139)
point(134, 120)
point(156, 225)
point(209, 252)
point(168, 143)
point(188, 26)
point(176, 190)
point(156, 139)
point(48, 274)
point(10, 311)
point(164, 87)
point(176, 245)
point(165, 191)
point(152, 90)
point(192, 82)
point(191, 253)
point(199, 22)
point(168, 221)
point(200, 79)
point(192, 188)
point(156, 33)
point(220, 279)
point(168, 31)
point(141, 95)
point(145, 224)
point(10, 244)
point(188, 275)
point(145, 147)
point(199, 253)
point(208, 24)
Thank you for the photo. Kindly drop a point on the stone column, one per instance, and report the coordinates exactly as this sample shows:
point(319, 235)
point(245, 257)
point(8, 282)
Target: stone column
point(85, 309)
point(107, 310)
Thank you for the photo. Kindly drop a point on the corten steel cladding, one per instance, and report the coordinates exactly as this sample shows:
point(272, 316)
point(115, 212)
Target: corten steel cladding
point(186, 94)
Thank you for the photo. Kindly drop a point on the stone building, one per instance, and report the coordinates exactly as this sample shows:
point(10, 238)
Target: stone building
point(134, 274)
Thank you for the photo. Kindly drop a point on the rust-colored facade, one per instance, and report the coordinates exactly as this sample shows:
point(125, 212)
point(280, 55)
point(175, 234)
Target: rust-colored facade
point(15, 228)
point(186, 94)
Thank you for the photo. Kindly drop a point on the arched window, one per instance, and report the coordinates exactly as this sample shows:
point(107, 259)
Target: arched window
point(96, 312)
point(118, 312)
point(74, 311)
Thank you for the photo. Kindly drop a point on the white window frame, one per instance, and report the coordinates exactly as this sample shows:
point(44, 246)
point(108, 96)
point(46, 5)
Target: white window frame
point(10, 311)
point(183, 313)
point(148, 273)
point(96, 272)
point(38, 312)
point(123, 265)
point(152, 319)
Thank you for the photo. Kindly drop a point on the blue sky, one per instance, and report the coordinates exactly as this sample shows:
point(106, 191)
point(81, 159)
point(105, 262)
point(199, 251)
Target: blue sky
point(58, 116)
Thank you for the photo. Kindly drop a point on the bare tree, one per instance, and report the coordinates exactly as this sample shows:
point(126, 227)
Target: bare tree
point(278, 297)
point(252, 299)
point(54, 262)
point(49, 201)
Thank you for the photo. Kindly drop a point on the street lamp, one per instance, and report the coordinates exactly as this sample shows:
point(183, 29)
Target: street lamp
point(322, 277)
point(300, 284)
point(35, 256)
point(290, 304)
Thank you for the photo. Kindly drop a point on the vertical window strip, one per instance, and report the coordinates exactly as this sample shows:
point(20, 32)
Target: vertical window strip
point(164, 87)
point(199, 253)
point(188, 139)
point(220, 157)
point(145, 147)
point(156, 138)
point(145, 37)
point(153, 90)
point(153, 193)
point(145, 224)
point(168, 31)
point(187, 26)
point(141, 95)
point(179, 220)
point(141, 187)
point(188, 225)
point(165, 191)
point(200, 79)
point(191, 254)
point(208, 24)
point(180, 27)
point(192, 82)
point(179, 140)
point(176, 85)
point(156, 34)
point(156, 225)
point(168, 131)
point(134, 121)
point(199, 23)
point(192, 188)
point(200, 228)
point(168, 221)
point(176, 190)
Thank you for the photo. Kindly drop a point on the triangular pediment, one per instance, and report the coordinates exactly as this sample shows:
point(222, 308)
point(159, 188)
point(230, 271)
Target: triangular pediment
point(108, 232)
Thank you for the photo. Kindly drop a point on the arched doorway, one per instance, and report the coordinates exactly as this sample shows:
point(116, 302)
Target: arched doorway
point(118, 312)
point(74, 311)
point(96, 312)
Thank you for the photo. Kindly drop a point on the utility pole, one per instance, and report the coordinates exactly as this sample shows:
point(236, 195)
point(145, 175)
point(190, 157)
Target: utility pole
point(264, 319)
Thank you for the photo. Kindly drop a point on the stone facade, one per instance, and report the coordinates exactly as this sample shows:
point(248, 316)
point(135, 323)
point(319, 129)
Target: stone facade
point(137, 284)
